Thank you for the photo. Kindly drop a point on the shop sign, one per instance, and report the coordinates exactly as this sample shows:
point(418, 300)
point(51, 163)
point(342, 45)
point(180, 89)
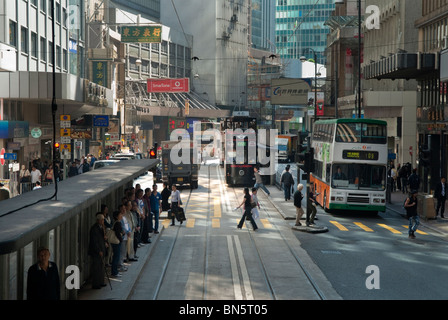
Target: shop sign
point(141, 34)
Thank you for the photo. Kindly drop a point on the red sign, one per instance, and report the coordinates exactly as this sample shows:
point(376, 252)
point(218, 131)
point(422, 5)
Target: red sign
point(2, 156)
point(169, 85)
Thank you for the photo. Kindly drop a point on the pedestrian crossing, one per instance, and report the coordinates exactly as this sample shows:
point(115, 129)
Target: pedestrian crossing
point(382, 226)
point(196, 220)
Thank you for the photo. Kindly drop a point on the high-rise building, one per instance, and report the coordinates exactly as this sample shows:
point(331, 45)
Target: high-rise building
point(300, 27)
point(262, 25)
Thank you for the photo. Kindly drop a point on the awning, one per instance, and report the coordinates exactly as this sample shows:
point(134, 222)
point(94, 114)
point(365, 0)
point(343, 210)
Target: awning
point(402, 66)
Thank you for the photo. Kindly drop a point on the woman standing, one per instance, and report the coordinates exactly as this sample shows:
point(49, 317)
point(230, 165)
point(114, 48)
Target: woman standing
point(116, 248)
point(175, 202)
point(247, 210)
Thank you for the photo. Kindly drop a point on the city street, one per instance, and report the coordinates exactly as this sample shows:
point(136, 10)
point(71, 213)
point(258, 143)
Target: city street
point(208, 258)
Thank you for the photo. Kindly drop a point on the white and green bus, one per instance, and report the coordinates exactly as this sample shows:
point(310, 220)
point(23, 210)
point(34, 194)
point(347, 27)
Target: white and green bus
point(350, 164)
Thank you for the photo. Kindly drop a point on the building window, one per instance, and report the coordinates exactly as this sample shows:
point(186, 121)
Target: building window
point(65, 59)
point(24, 39)
point(58, 56)
point(34, 2)
point(43, 49)
point(34, 44)
point(43, 5)
point(12, 33)
point(50, 52)
point(58, 12)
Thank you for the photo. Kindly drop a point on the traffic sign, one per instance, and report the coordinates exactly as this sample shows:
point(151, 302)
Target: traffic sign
point(10, 156)
point(2, 156)
point(65, 132)
point(66, 146)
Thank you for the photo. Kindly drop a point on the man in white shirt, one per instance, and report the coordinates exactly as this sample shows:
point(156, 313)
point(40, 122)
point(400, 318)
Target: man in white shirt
point(35, 175)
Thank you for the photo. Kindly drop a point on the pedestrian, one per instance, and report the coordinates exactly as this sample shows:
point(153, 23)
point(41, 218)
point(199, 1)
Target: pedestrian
point(49, 174)
point(147, 222)
point(403, 176)
point(255, 213)
point(97, 250)
point(126, 232)
point(175, 203)
point(107, 226)
point(140, 215)
point(38, 185)
point(137, 228)
point(440, 195)
point(259, 181)
point(131, 230)
point(155, 199)
point(73, 170)
point(166, 194)
point(43, 281)
point(298, 204)
point(288, 181)
point(398, 180)
point(35, 175)
point(410, 205)
point(414, 180)
point(116, 247)
point(247, 210)
point(311, 206)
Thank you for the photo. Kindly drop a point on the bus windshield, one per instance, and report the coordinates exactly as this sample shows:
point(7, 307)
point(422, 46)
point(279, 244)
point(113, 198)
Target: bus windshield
point(361, 133)
point(358, 177)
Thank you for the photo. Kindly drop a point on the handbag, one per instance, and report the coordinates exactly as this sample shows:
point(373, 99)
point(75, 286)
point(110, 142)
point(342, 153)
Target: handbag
point(111, 236)
point(253, 205)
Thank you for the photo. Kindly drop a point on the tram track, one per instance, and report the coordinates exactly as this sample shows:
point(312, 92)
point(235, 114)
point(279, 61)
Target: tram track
point(176, 239)
point(269, 282)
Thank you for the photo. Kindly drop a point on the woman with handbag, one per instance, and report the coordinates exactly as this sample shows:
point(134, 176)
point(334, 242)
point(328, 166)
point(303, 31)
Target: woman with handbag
point(255, 212)
point(116, 247)
point(248, 205)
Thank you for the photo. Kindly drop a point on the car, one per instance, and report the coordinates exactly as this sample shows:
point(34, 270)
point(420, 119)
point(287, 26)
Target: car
point(127, 155)
point(102, 163)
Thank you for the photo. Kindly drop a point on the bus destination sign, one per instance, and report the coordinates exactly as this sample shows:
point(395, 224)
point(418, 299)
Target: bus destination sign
point(359, 155)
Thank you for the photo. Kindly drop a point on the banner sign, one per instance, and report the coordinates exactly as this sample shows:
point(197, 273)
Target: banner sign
point(289, 91)
point(141, 34)
point(168, 85)
point(99, 72)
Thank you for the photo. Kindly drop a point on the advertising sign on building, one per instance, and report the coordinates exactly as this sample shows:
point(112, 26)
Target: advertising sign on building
point(141, 34)
point(289, 91)
point(168, 85)
point(99, 73)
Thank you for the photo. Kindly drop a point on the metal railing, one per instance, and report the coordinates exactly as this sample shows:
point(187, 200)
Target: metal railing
point(61, 224)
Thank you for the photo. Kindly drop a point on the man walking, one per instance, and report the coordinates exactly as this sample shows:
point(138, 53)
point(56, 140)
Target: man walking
point(411, 213)
point(440, 195)
point(259, 181)
point(298, 203)
point(288, 181)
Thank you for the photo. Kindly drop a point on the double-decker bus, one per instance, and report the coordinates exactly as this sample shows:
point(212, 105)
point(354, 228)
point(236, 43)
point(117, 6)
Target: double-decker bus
point(240, 134)
point(350, 164)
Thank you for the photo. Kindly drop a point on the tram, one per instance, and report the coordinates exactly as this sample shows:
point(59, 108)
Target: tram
point(240, 143)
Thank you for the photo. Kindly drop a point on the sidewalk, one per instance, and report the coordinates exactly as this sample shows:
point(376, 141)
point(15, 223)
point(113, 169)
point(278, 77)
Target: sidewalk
point(288, 211)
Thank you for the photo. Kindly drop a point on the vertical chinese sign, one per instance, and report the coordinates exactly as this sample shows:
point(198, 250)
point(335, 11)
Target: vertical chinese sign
point(142, 34)
point(99, 72)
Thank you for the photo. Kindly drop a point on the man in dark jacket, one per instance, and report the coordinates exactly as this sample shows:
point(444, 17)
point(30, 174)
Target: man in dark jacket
point(298, 203)
point(414, 180)
point(43, 278)
point(440, 195)
point(288, 181)
point(97, 250)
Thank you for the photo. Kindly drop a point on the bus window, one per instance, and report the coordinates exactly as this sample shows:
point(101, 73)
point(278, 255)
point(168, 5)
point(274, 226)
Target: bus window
point(358, 177)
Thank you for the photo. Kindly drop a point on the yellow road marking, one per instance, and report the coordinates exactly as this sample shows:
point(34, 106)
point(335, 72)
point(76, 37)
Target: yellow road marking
point(389, 228)
point(418, 231)
point(364, 227)
point(217, 207)
point(215, 223)
point(339, 226)
point(190, 222)
point(266, 223)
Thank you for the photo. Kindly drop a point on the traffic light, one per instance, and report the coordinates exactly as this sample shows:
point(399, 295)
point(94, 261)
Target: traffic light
point(425, 156)
point(309, 160)
point(57, 152)
point(152, 154)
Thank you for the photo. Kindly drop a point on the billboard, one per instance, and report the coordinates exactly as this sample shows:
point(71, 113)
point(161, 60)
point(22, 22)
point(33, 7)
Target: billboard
point(141, 34)
point(168, 85)
point(288, 91)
